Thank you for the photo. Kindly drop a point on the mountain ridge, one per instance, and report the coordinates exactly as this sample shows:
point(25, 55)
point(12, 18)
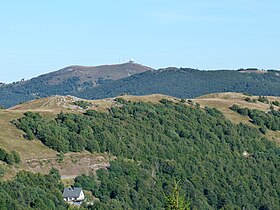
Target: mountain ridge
point(93, 73)
point(188, 83)
point(105, 81)
point(66, 81)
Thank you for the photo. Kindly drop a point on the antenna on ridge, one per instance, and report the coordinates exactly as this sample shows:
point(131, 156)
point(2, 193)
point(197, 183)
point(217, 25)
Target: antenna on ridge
point(131, 60)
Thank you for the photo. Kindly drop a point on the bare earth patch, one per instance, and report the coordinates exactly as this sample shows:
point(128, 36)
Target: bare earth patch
point(73, 164)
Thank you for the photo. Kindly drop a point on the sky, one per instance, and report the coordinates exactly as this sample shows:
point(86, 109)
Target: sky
point(38, 37)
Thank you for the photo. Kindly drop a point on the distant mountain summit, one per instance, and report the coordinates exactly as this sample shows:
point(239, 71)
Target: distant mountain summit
point(70, 80)
point(95, 74)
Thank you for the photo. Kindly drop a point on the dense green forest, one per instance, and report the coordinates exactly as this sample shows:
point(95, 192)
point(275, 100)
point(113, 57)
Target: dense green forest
point(32, 191)
point(219, 165)
point(187, 83)
point(270, 120)
point(181, 83)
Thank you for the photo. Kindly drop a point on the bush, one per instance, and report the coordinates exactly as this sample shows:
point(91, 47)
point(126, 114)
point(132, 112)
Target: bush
point(263, 130)
point(9, 158)
point(183, 100)
point(83, 104)
point(276, 103)
point(16, 156)
point(234, 107)
point(60, 157)
point(190, 102)
point(2, 171)
point(250, 100)
point(3, 154)
point(263, 99)
point(247, 94)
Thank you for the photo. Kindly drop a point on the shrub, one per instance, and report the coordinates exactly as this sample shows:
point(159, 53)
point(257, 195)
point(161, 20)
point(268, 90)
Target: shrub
point(16, 156)
point(83, 104)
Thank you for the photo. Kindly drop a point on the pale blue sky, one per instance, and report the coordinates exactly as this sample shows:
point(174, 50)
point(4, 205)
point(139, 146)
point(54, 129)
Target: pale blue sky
point(37, 37)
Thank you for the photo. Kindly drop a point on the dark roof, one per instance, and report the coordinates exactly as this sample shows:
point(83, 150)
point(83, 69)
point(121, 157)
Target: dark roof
point(72, 192)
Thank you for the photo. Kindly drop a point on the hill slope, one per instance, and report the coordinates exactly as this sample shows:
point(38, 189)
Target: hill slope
point(37, 157)
point(221, 165)
point(223, 102)
point(188, 83)
point(69, 80)
point(11, 138)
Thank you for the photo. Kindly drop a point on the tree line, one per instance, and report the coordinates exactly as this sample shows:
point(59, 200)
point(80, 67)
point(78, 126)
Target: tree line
point(269, 120)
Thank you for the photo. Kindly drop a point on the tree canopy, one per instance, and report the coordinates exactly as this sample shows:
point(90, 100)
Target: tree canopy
point(157, 144)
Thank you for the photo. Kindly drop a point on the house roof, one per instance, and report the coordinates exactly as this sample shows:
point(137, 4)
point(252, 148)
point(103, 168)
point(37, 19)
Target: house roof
point(72, 192)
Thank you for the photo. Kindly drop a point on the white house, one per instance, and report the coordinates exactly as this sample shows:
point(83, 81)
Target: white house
point(73, 195)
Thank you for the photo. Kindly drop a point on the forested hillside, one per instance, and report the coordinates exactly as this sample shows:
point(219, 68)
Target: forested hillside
point(12, 94)
point(188, 83)
point(135, 79)
point(220, 165)
point(66, 81)
point(32, 191)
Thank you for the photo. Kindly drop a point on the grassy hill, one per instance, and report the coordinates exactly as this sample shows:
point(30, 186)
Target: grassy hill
point(37, 157)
